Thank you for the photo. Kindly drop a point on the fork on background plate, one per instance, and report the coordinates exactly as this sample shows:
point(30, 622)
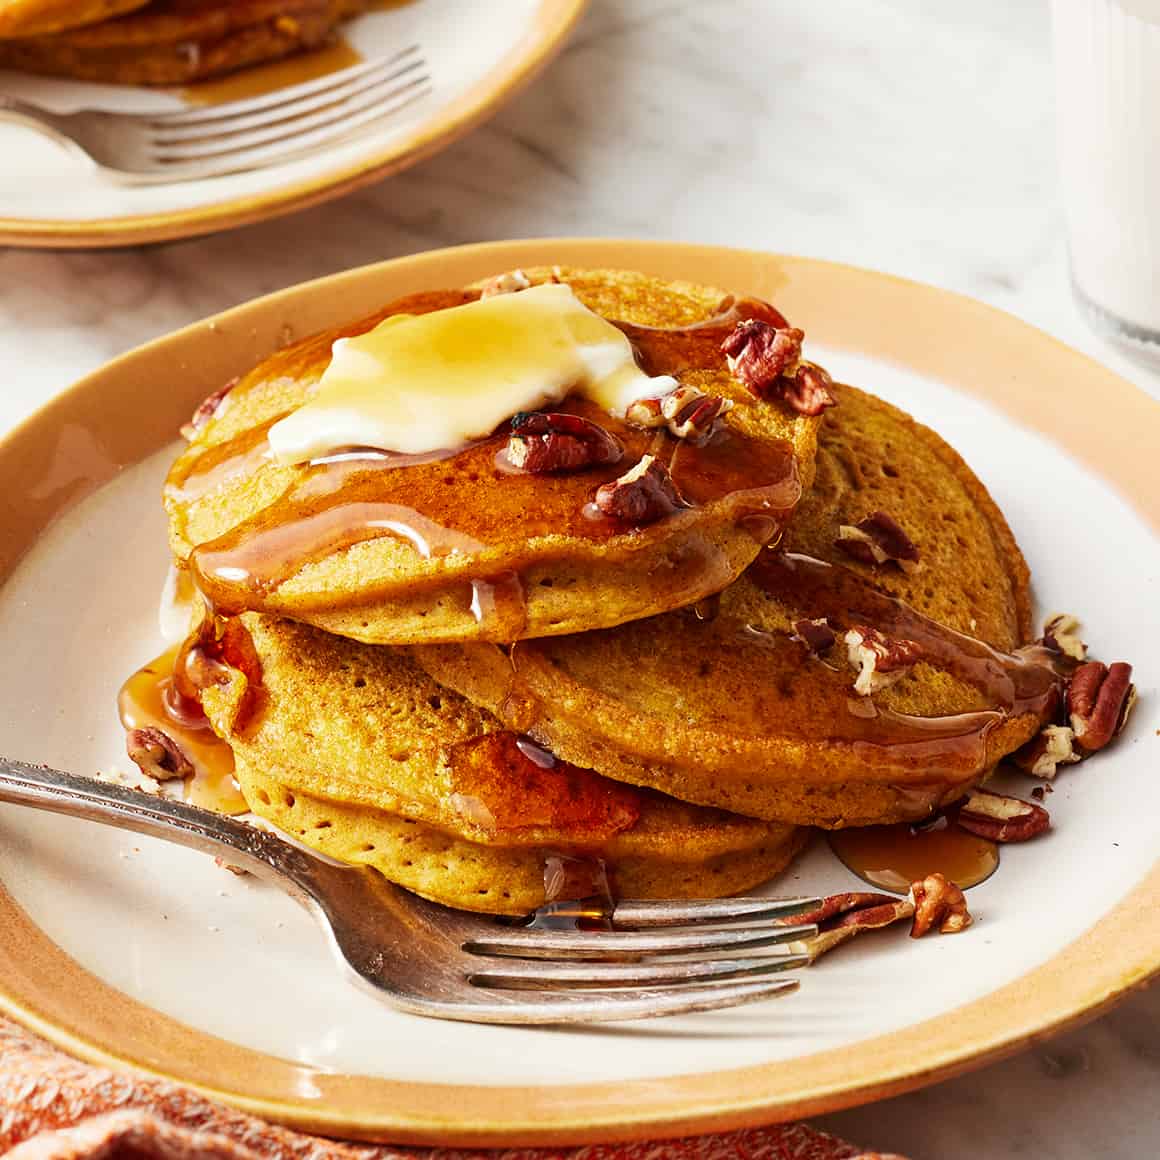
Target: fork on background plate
point(658, 958)
point(236, 136)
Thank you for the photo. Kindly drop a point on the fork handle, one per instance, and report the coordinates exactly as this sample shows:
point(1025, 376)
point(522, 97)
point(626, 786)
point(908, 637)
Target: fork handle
point(131, 809)
point(34, 117)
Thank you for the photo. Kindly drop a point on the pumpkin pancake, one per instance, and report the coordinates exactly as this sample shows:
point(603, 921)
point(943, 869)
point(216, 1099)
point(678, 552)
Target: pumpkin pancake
point(171, 42)
point(356, 752)
point(399, 549)
point(726, 704)
point(21, 18)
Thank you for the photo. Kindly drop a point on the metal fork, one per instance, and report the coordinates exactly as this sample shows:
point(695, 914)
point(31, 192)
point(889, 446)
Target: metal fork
point(658, 958)
point(154, 148)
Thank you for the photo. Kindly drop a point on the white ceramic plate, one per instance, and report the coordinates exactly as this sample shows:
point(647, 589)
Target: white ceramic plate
point(478, 55)
point(236, 960)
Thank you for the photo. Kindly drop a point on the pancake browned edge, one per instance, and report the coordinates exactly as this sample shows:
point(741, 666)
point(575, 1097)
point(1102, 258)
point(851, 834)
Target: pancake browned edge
point(727, 705)
point(491, 554)
point(23, 18)
point(353, 750)
point(172, 42)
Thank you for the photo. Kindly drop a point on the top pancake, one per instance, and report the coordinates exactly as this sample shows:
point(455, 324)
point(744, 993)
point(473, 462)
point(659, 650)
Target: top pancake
point(170, 42)
point(726, 705)
point(44, 17)
point(491, 555)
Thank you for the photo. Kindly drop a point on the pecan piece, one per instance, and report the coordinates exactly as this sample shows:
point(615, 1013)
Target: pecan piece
point(759, 354)
point(690, 413)
point(508, 283)
point(209, 409)
point(547, 443)
point(1045, 753)
point(938, 902)
point(877, 539)
point(647, 413)
point(157, 755)
point(1061, 635)
point(1001, 817)
point(879, 659)
point(642, 495)
point(808, 390)
point(1099, 699)
point(842, 916)
point(817, 635)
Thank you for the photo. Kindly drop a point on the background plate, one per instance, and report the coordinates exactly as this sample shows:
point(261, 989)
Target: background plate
point(479, 55)
point(124, 949)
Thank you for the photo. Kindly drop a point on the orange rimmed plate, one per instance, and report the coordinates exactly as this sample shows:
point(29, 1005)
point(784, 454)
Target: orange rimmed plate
point(478, 55)
point(133, 952)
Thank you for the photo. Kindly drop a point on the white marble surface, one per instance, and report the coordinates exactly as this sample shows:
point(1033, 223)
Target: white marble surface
point(895, 134)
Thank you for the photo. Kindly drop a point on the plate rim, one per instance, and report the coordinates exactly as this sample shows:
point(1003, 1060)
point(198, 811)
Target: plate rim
point(552, 24)
point(43, 988)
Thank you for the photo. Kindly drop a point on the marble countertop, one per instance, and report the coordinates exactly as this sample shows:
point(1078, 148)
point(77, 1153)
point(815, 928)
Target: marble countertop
point(895, 134)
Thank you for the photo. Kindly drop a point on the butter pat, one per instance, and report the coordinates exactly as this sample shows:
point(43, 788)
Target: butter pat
point(432, 382)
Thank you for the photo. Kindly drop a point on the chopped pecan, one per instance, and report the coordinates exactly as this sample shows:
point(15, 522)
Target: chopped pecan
point(642, 495)
point(691, 413)
point(507, 283)
point(842, 916)
point(1061, 635)
point(157, 755)
point(546, 443)
point(646, 413)
point(209, 409)
point(877, 539)
point(879, 659)
point(1052, 747)
point(759, 354)
point(817, 635)
point(1099, 699)
point(938, 902)
point(808, 391)
point(1001, 817)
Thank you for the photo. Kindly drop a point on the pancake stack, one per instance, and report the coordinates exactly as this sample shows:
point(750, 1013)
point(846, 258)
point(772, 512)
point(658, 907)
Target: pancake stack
point(547, 664)
point(161, 42)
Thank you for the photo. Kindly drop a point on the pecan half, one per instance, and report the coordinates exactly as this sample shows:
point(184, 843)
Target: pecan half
point(938, 902)
point(842, 916)
point(817, 635)
point(879, 659)
point(1001, 817)
point(1052, 747)
point(508, 283)
point(1061, 635)
point(759, 354)
point(642, 495)
point(157, 755)
point(547, 443)
point(209, 409)
point(1099, 700)
point(877, 539)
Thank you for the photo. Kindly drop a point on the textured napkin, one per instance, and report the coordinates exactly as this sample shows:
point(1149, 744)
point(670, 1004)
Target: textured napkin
point(53, 1107)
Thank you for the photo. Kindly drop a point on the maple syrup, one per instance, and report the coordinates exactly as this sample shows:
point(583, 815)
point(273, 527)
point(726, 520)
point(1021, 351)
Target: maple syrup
point(892, 857)
point(150, 698)
point(579, 895)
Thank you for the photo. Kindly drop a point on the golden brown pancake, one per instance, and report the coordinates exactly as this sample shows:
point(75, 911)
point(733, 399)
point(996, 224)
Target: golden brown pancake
point(22, 18)
point(491, 555)
point(173, 42)
point(726, 705)
point(355, 751)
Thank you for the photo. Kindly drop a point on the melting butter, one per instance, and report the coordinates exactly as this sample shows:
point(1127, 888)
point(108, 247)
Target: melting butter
point(436, 381)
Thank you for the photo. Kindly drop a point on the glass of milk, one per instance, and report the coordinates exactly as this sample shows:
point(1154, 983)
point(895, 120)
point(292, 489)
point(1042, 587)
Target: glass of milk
point(1107, 62)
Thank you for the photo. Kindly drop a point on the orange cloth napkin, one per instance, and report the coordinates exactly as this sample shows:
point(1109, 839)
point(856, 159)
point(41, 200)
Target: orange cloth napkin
point(52, 1107)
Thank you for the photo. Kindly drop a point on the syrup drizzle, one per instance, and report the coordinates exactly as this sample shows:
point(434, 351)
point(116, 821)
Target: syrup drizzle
point(461, 501)
point(150, 698)
point(892, 857)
